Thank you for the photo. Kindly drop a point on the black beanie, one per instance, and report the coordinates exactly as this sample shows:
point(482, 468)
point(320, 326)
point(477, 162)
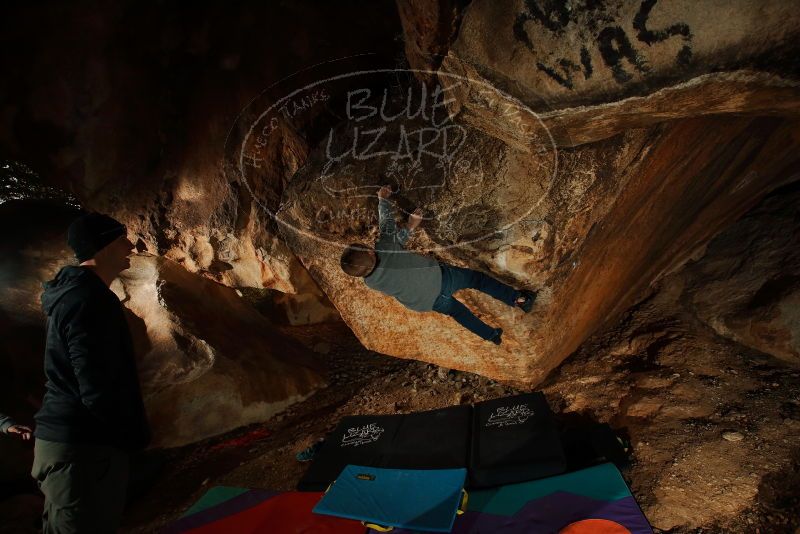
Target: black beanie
point(89, 233)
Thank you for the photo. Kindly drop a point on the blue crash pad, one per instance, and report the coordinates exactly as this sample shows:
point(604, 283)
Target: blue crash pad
point(416, 499)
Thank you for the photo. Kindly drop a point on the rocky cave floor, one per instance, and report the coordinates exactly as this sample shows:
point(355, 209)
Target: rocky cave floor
point(713, 425)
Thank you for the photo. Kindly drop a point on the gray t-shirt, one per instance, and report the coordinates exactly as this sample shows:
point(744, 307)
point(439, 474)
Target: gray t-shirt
point(413, 279)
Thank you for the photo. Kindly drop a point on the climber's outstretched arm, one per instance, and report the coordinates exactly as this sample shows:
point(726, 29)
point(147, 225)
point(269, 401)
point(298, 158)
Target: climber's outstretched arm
point(414, 221)
point(386, 223)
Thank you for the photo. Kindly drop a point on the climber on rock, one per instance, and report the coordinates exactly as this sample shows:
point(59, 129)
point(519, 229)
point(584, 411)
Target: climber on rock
point(419, 282)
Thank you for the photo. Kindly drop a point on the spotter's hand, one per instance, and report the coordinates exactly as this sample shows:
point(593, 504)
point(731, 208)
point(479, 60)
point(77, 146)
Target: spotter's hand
point(22, 432)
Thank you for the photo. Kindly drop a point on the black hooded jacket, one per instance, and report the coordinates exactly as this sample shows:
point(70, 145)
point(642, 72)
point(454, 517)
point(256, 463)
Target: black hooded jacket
point(92, 391)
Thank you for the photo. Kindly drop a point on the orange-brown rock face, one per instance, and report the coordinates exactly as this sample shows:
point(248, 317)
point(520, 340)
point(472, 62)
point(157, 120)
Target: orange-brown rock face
point(619, 215)
point(691, 186)
point(682, 127)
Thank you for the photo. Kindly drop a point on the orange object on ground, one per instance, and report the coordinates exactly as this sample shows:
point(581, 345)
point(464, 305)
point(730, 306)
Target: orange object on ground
point(594, 526)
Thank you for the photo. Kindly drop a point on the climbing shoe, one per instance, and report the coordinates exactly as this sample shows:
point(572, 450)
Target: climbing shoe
point(529, 298)
point(308, 454)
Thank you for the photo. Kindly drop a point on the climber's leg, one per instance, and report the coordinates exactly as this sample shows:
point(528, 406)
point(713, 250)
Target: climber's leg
point(448, 305)
point(467, 278)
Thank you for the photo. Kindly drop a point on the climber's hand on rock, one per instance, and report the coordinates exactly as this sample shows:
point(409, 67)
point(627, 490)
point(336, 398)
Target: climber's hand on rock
point(415, 219)
point(385, 192)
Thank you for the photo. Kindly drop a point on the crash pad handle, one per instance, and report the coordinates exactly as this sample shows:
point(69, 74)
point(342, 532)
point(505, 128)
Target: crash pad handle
point(462, 507)
point(464, 499)
point(379, 528)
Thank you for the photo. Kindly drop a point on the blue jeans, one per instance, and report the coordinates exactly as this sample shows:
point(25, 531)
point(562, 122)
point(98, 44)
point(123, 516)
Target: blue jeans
point(455, 278)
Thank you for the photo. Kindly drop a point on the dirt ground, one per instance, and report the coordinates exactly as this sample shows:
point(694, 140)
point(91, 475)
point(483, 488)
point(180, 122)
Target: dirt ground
point(713, 426)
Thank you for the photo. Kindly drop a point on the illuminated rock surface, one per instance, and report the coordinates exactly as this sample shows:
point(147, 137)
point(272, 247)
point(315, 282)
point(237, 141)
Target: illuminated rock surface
point(208, 361)
point(587, 188)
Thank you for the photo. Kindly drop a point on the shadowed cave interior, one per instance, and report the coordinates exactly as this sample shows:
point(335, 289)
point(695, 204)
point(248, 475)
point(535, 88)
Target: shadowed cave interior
point(634, 163)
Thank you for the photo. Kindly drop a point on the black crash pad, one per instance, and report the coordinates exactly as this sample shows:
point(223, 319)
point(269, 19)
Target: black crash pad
point(514, 439)
point(437, 439)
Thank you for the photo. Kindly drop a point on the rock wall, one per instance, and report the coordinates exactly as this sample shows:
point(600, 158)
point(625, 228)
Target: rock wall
point(696, 377)
point(588, 191)
point(208, 361)
point(592, 70)
point(619, 214)
point(745, 287)
point(430, 28)
point(710, 422)
point(131, 108)
point(593, 147)
point(559, 54)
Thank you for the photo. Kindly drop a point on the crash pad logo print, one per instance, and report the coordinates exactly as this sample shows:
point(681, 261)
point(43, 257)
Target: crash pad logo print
point(510, 415)
point(361, 435)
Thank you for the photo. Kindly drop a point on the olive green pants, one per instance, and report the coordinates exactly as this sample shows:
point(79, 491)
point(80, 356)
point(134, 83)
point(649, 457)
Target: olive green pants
point(83, 485)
